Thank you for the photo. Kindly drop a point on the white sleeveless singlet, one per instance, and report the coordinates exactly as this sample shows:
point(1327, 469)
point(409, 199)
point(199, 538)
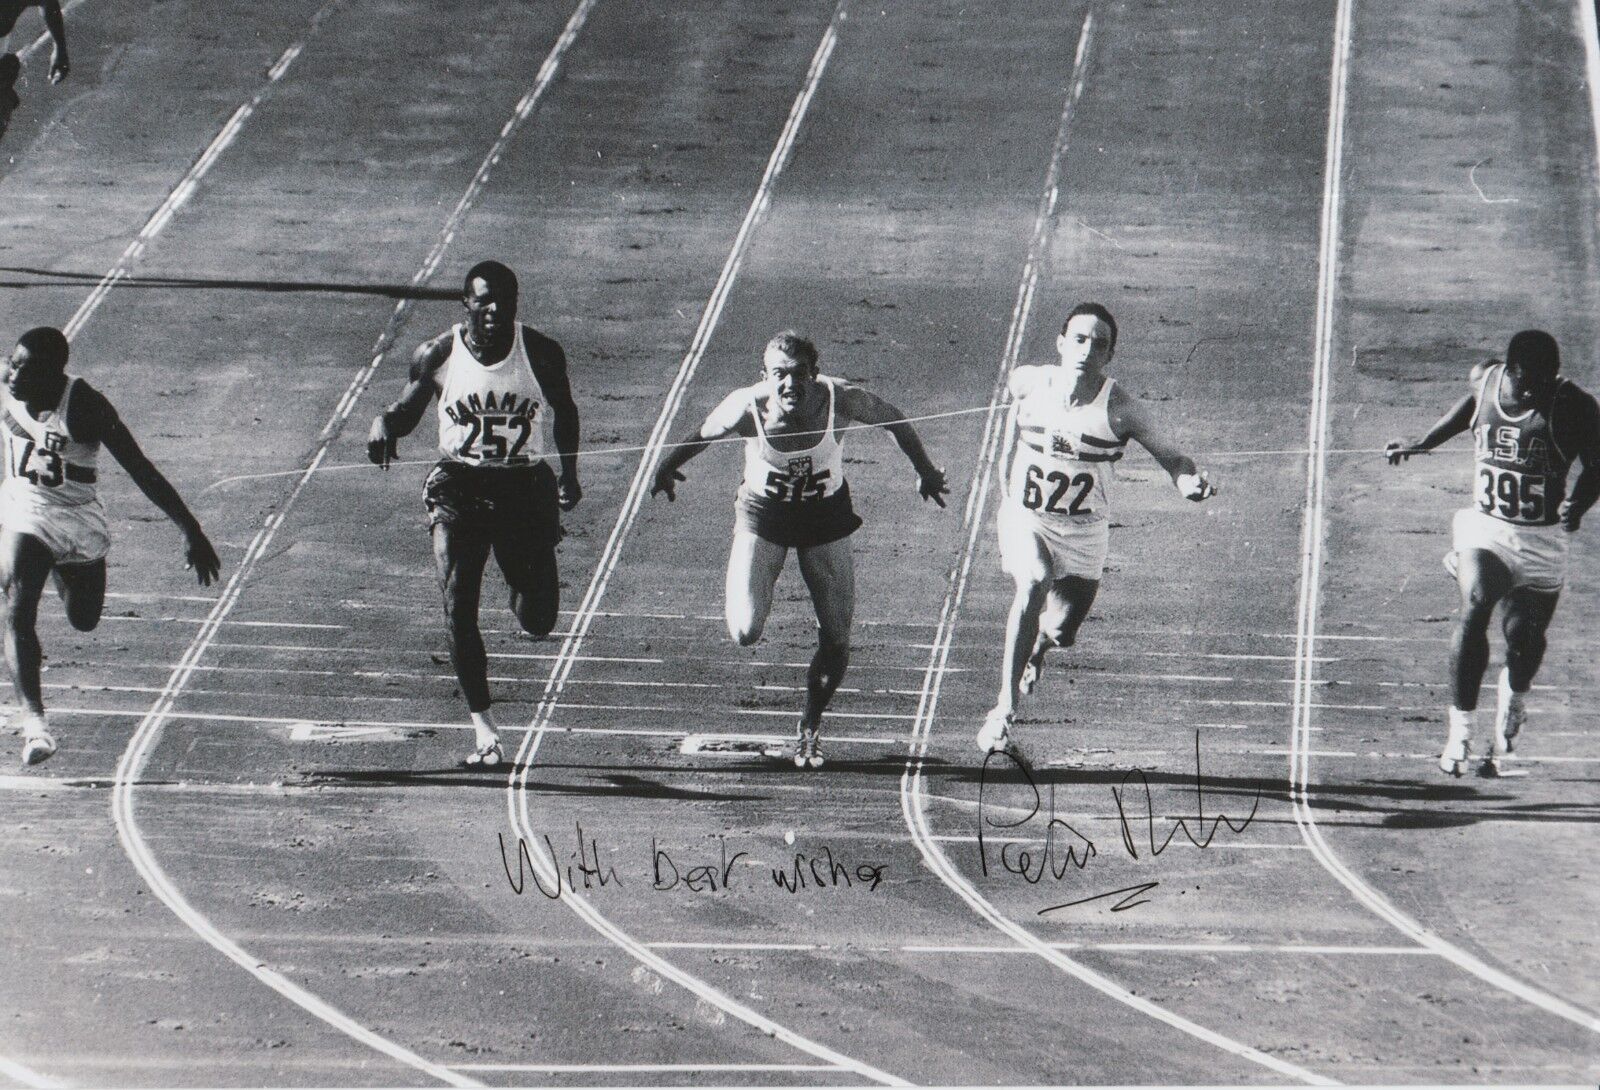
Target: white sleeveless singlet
point(491, 416)
point(801, 476)
point(1066, 456)
point(45, 465)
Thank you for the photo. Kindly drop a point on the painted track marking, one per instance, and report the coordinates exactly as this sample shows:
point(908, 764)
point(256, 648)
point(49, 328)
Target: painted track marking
point(145, 736)
point(180, 194)
point(1313, 531)
point(995, 440)
point(25, 1075)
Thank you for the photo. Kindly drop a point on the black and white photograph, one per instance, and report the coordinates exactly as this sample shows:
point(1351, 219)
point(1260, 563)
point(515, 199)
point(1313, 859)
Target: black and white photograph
point(806, 543)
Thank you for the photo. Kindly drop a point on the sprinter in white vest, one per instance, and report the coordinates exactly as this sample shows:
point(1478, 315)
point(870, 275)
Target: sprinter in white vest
point(503, 396)
point(52, 524)
point(1073, 423)
point(794, 496)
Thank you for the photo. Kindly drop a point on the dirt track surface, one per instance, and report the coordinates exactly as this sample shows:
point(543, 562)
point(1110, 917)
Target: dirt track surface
point(295, 793)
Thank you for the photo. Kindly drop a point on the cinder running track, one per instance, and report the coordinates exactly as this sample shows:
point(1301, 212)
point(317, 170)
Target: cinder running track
point(255, 860)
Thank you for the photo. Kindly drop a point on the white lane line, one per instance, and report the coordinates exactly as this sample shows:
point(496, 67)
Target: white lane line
point(798, 947)
point(1181, 948)
point(992, 446)
point(641, 1069)
point(191, 179)
point(17, 1072)
point(516, 787)
point(145, 736)
point(1313, 531)
point(216, 718)
point(967, 838)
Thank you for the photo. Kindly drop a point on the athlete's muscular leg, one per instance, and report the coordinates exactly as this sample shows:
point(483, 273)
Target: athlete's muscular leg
point(1025, 558)
point(830, 575)
point(83, 592)
point(753, 567)
point(1064, 612)
point(530, 571)
point(1484, 580)
point(1526, 615)
point(25, 564)
point(460, 559)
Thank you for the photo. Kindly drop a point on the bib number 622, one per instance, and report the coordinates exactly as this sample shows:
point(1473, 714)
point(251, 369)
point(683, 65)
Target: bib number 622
point(1033, 497)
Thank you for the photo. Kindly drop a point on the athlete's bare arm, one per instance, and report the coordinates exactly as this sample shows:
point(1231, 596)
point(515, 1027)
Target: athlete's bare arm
point(91, 418)
point(731, 417)
point(866, 407)
point(59, 65)
point(549, 364)
point(1455, 421)
point(1585, 418)
point(402, 417)
point(1132, 420)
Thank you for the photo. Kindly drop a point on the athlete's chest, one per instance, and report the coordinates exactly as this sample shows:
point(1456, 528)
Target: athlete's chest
point(1526, 441)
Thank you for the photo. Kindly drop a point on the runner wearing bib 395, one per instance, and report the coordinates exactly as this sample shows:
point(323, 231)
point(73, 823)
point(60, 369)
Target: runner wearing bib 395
point(1528, 425)
point(1073, 424)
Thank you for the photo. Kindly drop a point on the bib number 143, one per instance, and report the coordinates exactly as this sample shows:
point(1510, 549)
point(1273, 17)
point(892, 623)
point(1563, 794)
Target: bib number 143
point(38, 466)
point(1033, 491)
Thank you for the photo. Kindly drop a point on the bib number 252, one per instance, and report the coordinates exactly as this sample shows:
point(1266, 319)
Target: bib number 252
point(1035, 480)
point(1510, 495)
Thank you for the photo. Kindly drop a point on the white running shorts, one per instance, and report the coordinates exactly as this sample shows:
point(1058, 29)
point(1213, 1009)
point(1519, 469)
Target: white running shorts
point(1536, 555)
point(74, 534)
point(1077, 550)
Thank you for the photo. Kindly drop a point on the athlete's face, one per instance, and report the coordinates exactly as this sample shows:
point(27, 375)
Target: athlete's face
point(1085, 345)
point(788, 378)
point(1529, 384)
point(29, 376)
point(491, 309)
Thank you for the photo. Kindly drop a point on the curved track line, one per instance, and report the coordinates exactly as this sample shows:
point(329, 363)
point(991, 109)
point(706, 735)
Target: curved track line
point(16, 1072)
point(1311, 556)
point(912, 789)
point(516, 787)
point(146, 735)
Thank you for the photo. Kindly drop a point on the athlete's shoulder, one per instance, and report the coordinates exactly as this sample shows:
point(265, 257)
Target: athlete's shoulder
point(1029, 377)
point(90, 414)
point(1480, 371)
point(540, 345)
point(431, 355)
point(1574, 398)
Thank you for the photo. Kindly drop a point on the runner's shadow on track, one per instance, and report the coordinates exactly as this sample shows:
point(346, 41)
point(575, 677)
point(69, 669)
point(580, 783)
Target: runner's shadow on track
point(1400, 804)
point(56, 278)
point(784, 765)
point(451, 776)
point(619, 785)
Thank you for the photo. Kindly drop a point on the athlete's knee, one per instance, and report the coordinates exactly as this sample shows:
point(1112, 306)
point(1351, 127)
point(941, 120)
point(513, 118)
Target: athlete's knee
point(536, 613)
point(83, 618)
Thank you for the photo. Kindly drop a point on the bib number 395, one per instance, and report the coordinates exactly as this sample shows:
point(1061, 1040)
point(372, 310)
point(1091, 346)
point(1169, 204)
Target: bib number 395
point(1511, 495)
point(1035, 480)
